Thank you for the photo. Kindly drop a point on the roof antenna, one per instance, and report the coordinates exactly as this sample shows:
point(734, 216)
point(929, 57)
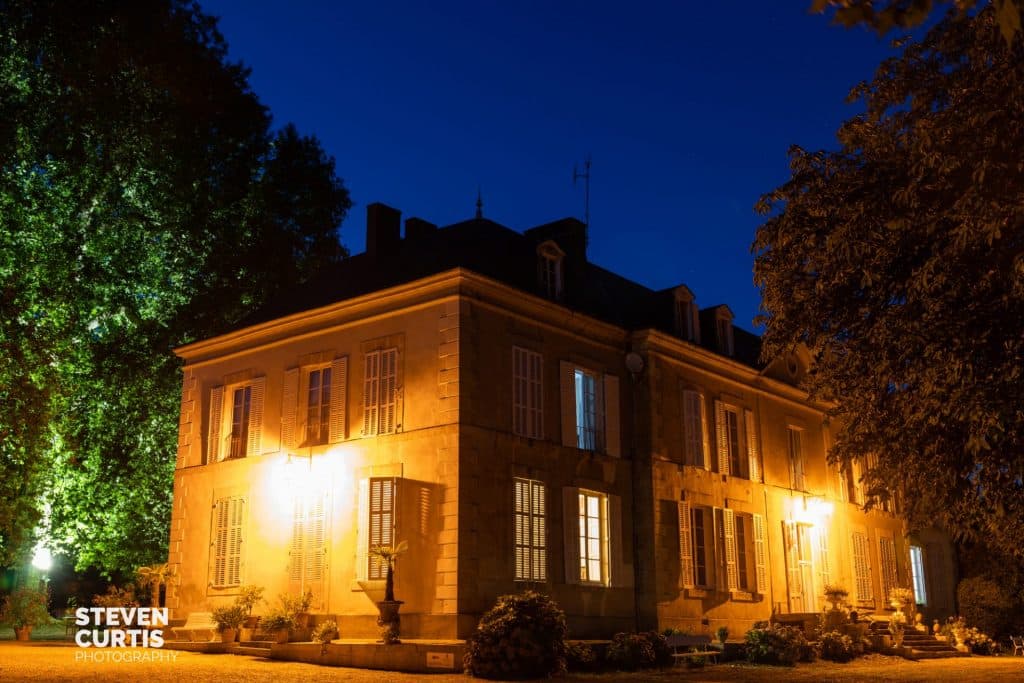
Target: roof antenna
point(479, 204)
point(585, 175)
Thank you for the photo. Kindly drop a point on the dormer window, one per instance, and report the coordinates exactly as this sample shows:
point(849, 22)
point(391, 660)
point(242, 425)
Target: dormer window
point(549, 270)
point(723, 328)
point(687, 322)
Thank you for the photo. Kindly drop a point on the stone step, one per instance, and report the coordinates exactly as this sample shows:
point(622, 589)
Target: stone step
point(251, 651)
point(256, 643)
point(929, 654)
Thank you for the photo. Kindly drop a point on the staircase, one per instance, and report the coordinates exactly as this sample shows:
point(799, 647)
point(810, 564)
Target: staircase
point(917, 644)
point(253, 648)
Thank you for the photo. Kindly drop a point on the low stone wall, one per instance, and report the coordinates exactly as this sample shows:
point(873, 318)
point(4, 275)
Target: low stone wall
point(409, 656)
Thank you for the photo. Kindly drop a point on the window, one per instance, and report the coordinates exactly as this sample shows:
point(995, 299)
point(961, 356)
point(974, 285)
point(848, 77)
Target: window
point(731, 459)
point(741, 554)
point(382, 522)
point(380, 391)
point(700, 546)
point(236, 420)
point(917, 574)
point(735, 541)
point(549, 263)
point(694, 526)
point(593, 520)
point(887, 556)
point(308, 554)
point(799, 566)
point(694, 429)
point(861, 568)
point(723, 330)
point(687, 320)
point(854, 487)
point(586, 410)
point(527, 393)
point(318, 406)
point(796, 458)
point(530, 531)
point(226, 560)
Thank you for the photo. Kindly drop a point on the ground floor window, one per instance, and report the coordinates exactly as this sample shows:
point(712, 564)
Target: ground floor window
point(593, 520)
point(917, 573)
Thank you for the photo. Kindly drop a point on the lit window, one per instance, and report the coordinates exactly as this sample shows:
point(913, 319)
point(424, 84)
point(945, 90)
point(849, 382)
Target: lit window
point(530, 531)
point(241, 406)
point(527, 393)
point(917, 572)
point(796, 458)
point(318, 406)
point(587, 427)
point(235, 420)
point(380, 391)
point(593, 520)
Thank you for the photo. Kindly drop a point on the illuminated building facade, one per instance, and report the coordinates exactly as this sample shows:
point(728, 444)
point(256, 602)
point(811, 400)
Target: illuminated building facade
point(522, 418)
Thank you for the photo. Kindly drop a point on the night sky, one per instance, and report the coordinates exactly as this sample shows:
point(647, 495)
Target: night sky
point(687, 111)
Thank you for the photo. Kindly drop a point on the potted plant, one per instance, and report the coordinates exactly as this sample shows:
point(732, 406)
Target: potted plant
point(24, 609)
point(297, 606)
point(278, 624)
point(723, 634)
point(155, 577)
point(900, 598)
point(228, 618)
point(248, 597)
point(389, 620)
point(835, 594)
point(324, 633)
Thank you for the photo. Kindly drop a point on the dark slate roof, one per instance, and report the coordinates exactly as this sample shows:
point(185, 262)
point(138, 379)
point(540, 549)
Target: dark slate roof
point(510, 257)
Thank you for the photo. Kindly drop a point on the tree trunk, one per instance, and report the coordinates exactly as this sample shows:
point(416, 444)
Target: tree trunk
point(389, 584)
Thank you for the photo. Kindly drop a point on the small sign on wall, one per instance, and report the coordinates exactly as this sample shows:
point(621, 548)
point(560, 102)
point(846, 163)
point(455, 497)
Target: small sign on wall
point(440, 660)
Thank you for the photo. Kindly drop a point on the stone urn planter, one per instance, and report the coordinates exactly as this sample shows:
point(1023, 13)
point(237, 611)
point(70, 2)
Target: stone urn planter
point(389, 620)
point(280, 635)
point(227, 635)
point(22, 633)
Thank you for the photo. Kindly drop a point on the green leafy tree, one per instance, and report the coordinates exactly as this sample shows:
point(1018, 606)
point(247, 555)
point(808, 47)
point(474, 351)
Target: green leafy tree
point(898, 261)
point(144, 203)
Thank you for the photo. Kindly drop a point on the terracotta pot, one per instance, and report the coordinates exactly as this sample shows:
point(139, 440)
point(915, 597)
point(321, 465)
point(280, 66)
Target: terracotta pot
point(281, 635)
point(227, 635)
point(22, 633)
point(244, 634)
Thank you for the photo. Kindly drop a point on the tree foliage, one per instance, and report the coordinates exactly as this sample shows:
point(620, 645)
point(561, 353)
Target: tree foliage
point(144, 203)
point(889, 14)
point(898, 260)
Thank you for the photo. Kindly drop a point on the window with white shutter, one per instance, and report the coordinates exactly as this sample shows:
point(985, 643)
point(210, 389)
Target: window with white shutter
point(731, 458)
point(226, 542)
point(236, 420)
point(527, 393)
point(593, 537)
point(760, 554)
point(753, 446)
point(339, 399)
point(380, 391)
point(861, 567)
point(308, 553)
point(729, 546)
point(887, 555)
point(381, 522)
point(796, 458)
point(530, 530)
point(695, 429)
point(687, 576)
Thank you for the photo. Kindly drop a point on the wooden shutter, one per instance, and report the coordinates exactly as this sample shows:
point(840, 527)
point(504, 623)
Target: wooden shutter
point(339, 398)
point(382, 521)
point(219, 542)
point(693, 428)
point(723, 438)
point(289, 407)
point(522, 528)
point(255, 446)
point(887, 554)
point(233, 554)
point(371, 392)
point(567, 386)
point(729, 538)
point(315, 570)
point(536, 385)
point(538, 531)
point(792, 542)
point(611, 416)
point(861, 568)
point(686, 564)
point(296, 554)
point(620, 567)
point(571, 533)
point(760, 555)
point(388, 391)
point(824, 564)
point(363, 530)
point(520, 389)
point(753, 446)
point(705, 432)
point(213, 444)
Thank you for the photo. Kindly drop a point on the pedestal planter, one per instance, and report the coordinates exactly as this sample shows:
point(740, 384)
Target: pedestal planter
point(22, 633)
point(389, 621)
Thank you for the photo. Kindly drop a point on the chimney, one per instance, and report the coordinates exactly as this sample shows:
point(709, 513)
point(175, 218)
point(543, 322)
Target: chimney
point(383, 229)
point(417, 228)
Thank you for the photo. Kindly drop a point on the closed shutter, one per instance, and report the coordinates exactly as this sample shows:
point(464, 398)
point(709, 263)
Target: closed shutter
point(219, 542)
point(611, 417)
point(213, 444)
point(522, 528)
point(723, 438)
point(388, 391)
point(382, 522)
point(296, 554)
point(234, 553)
point(861, 568)
point(339, 398)
point(255, 445)
point(729, 537)
point(621, 568)
point(753, 445)
point(686, 570)
point(371, 392)
point(824, 562)
point(567, 387)
point(289, 407)
point(316, 547)
point(694, 423)
point(796, 588)
point(760, 555)
point(887, 553)
point(571, 533)
point(539, 532)
point(520, 391)
point(363, 530)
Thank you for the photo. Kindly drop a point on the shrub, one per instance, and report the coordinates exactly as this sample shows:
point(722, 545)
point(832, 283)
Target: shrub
point(980, 643)
point(229, 616)
point(631, 651)
point(248, 596)
point(25, 607)
point(325, 631)
point(722, 632)
point(775, 645)
point(296, 604)
point(580, 657)
point(522, 636)
point(662, 652)
point(986, 605)
point(277, 620)
point(837, 647)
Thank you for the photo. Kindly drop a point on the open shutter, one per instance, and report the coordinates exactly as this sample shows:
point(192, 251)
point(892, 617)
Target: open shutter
point(218, 542)
point(753, 445)
point(296, 554)
point(522, 528)
point(315, 570)
point(339, 398)
point(538, 531)
point(795, 582)
point(620, 567)
point(289, 407)
point(234, 555)
point(824, 565)
point(363, 530)
point(705, 432)
point(571, 533)
point(760, 555)
point(388, 391)
point(567, 386)
point(213, 444)
point(255, 446)
point(723, 438)
point(686, 568)
point(729, 538)
point(611, 416)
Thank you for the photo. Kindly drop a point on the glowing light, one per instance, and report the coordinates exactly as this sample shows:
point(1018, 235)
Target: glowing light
point(42, 560)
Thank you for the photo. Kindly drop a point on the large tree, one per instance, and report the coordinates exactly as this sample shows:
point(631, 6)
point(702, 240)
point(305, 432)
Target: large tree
point(898, 260)
point(144, 203)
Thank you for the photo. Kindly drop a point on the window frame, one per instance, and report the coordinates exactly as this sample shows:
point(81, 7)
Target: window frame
point(527, 393)
point(550, 260)
point(376, 420)
point(323, 434)
point(584, 524)
point(797, 457)
point(595, 412)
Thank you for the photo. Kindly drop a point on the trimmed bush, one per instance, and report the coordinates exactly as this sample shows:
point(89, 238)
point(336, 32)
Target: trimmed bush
point(776, 644)
point(580, 657)
point(985, 605)
point(522, 636)
point(837, 647)
point(631, 651)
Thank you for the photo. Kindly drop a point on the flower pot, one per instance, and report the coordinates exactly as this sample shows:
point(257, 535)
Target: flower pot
point(245, 634)
point(227, 635)
point(302, 620)
point(281, 635)
point(389, 621)
point(22, 633)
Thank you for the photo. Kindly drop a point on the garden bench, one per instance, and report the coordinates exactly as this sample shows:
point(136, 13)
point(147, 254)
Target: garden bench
point(198, 624)
point(701, 643)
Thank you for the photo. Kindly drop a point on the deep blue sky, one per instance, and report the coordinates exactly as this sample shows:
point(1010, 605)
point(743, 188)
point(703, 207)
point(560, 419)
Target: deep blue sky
point(686, 108)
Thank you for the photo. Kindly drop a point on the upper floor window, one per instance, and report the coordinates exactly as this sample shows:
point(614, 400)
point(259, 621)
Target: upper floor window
point(687, 320)
point(241, 411)
point(549, 265)
point(587, 417)
point(796, 458)
point(380, 391)
point(723, 330)
point(527, 393)
point(236, 420)
point(695, 429)
point(318, 406)
point(590, 409)
point(313, 402)
point(738, 450)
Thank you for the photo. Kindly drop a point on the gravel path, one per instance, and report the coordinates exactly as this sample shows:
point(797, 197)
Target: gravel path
point(43, 661)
